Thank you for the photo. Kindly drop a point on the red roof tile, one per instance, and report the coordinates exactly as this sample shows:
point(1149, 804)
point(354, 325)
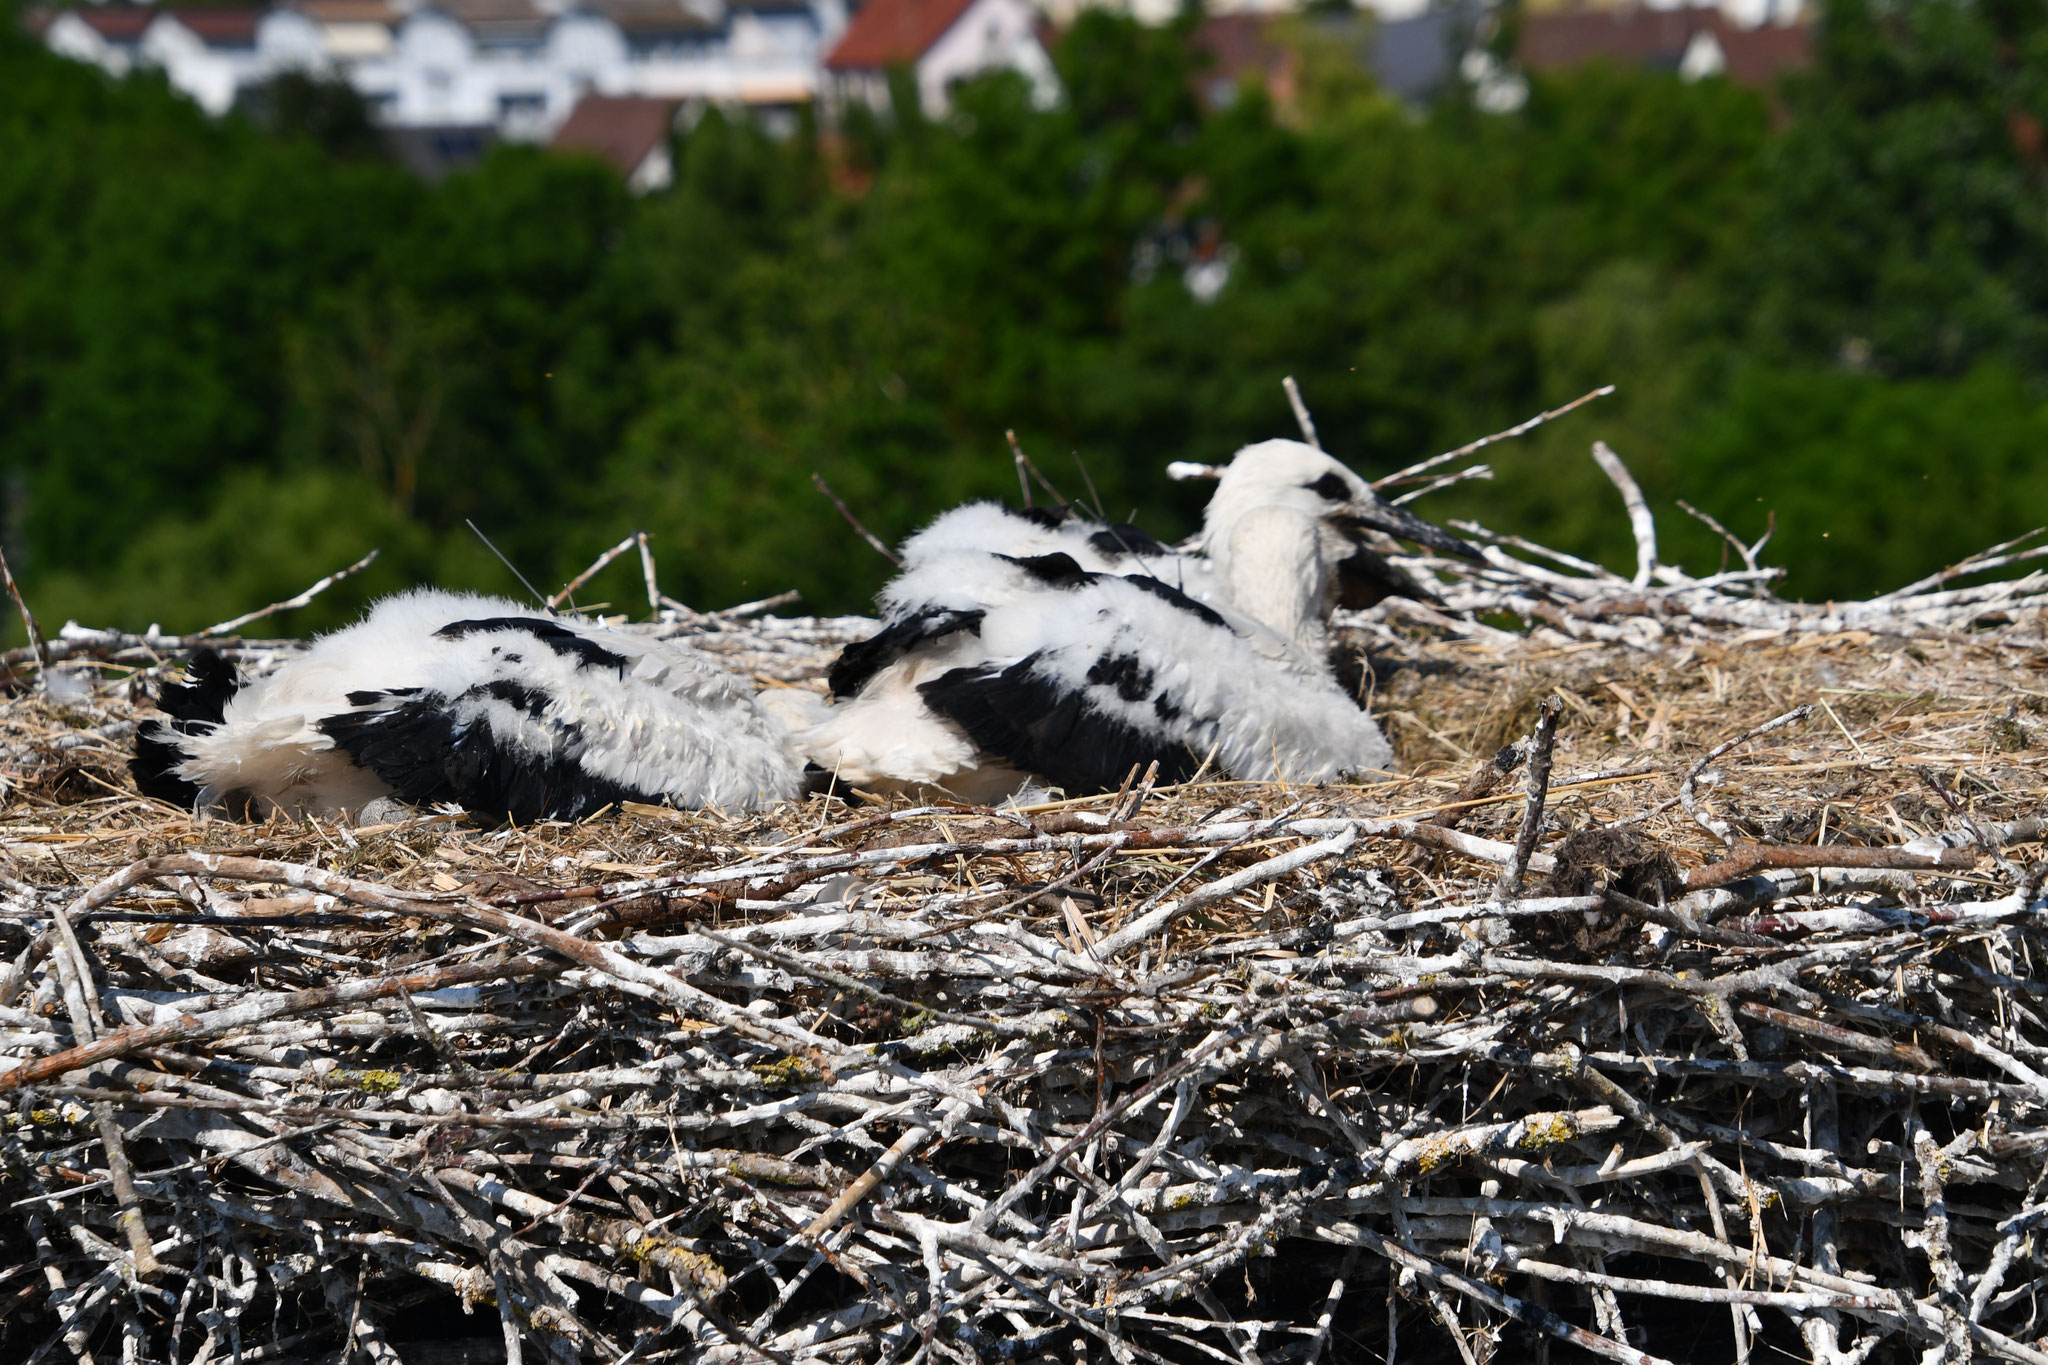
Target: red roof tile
point(890, 32)
point(116, 23)
point(1624, 35)
point(622, 129)
point(220, 27)
point(1754, 56)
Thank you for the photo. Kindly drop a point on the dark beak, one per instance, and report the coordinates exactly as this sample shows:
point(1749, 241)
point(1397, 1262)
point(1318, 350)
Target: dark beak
point(1405, 525)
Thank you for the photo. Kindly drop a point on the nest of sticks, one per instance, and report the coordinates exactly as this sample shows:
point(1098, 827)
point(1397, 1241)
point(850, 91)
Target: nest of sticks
point(1677, 1002)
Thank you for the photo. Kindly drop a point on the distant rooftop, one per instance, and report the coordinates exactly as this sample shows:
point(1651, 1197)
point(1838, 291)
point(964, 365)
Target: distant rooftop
point(645, 18)
point(115, 23)
point(893, 32)
point(219, 26)
point(499, 19)
point(348, 11)
point(622, 129)
point(1663, 38)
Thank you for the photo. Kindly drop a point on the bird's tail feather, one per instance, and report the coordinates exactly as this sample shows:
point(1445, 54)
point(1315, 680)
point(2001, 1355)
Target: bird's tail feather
point(192, 707)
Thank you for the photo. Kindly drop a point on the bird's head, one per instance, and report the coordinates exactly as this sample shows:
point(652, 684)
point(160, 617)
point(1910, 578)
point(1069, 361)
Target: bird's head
point(1286, 523)
point(1300, 477)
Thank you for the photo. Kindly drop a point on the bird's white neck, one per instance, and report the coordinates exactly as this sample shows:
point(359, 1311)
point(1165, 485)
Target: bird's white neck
point(1270, 565)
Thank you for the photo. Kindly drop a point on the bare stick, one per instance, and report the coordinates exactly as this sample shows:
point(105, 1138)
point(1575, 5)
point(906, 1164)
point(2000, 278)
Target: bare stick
point(1094, 498)
point(1639, 519)
point(1465, 475)
point(1770, 529)
point(293, 603)
point(1948, 1279)
point(568, 589)
point(818, 480)
point(1017, 452)
point(1330, 1300)
point(510, 567)
point(1748, 861)
point(1150, 923)
point(1017, 458)
point(911, 1139)
point(742, 610)
point(1686, 795)
point(1519, 429)
point(1540, 1319)
point(1747, 555)
point(647, 573)
point(1992, 558)
point(1933, 781)
point(28, 620)
point(213, 1023)
point(122, 1177)
point(1541, 745)
point(1301, 417)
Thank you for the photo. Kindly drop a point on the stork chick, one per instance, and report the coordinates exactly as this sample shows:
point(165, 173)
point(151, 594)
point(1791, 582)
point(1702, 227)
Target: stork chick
point(1020, 644)
point(449, 697)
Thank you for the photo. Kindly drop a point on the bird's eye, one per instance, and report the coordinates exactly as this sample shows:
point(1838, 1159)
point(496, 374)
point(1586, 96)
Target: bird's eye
point(1331, 486)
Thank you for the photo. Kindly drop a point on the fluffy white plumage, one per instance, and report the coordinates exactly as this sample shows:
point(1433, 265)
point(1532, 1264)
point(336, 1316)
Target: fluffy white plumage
point(438, 696)
point(1017, 643)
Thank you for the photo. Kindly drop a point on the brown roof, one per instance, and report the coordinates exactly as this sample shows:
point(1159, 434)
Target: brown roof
point(1757, 56)
point(1235, 43)
point(622, 129)
point(1569, 37)
point(502, 19)
point(1240, 46)
point(891, 32)
point(220, 27)
point(643, 17)
point(1659, 38)
point(348, 11)
point(116, 23)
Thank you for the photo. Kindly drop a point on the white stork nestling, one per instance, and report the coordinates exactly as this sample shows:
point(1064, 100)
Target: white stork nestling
point(451, 697)
point(1022, 644)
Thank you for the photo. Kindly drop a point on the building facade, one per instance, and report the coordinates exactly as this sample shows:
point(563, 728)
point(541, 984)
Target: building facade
point(517, 67)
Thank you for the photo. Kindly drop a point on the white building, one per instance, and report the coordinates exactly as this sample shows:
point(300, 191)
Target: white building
point(941, 42)
point(107, 37)
point(516, 66)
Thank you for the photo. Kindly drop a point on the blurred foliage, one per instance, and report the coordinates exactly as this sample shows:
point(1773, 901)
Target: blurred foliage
point(236, 354)
point(326, 109)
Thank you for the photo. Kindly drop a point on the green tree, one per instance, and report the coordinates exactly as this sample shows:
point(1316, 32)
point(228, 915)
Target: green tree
point(1906, 226)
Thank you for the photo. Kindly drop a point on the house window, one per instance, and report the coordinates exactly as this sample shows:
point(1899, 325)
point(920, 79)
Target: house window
point(522, 108)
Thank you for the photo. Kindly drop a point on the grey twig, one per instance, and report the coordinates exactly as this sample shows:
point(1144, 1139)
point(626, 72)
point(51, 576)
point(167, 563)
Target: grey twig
point(1542, 745)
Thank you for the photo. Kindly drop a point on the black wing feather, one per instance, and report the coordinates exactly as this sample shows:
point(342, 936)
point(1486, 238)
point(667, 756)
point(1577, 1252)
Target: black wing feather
point(429, 751)
point(194, 706)
point(861, 660)
point(1022, 717)
point(1166, 592)
point(557, 637)
point(1121, 538)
